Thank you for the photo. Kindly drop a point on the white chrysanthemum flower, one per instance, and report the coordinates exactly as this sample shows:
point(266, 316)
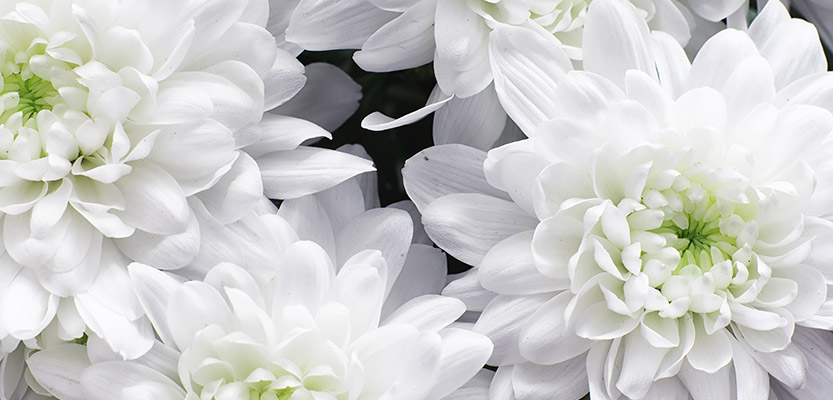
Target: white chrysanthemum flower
point(455, 35)
point(124, 125)
point(301, 325)
point(665, 232)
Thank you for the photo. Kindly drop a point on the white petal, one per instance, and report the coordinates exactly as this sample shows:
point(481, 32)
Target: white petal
point(475, 121)
point(446, 169)
point(163, 251)
point(789, 366)
point(377, 121)
point(154, 289)
point(196, 150)
point(751, 379)
point(815, 344)
point(25, 307)
point(547, 339)
point(310, 221)
point(706, 386)
point(462, 356)
point(527, 68)
point(361, 288)
point(509, 268)
point(58, 369)
point(236, 192)
point(585, 97)
point(193, 306)
point(468, 225)
point(386, 230)
point(639, 366)
point(306, 170)
point(329, 97)
point(162, 210)
point(405, 42)
point(794, 39)
point(284, 80)
point(719, 58)
point(564, 381)
point(305, 275)
point(615, 40)
point(466, 287)
point(502, 321)
point(349, 23)
point(107, 380)
point(516, 174)
point(710, 352)
point(715, 10)
point(550, 259)
point(751, 84)
point(501, 387)
point(430, 312)
point(424, 273)
point(672, 63)
point(460, 57)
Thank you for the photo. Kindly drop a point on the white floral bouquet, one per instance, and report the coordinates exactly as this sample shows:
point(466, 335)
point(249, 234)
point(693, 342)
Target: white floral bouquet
point(603, 199)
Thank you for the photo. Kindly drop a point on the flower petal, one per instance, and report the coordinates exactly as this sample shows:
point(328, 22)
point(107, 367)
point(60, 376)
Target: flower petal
point(306, 170)
point(509, 268)
point(386, 230)
point(403, 43)
point(424, 273)
point(468, 225)
point(445, 169)
point(546, 337)
point(328, 99)
point(349, 23)
point(616, 39)
point(58, 369)
point(475, 121)
point(502, 321)
point(527, 67)
point(563, 381)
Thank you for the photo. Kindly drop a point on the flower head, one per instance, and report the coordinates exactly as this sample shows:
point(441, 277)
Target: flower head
point(124, 126)
point(308, 326)
point(662, 225)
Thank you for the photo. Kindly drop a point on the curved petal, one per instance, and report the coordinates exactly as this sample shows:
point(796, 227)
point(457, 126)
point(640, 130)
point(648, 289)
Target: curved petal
point(328, 99)
point(405, 42)
point(446, 169)
point(306, 170)
point(616, 39)
point(349, 23)
point(468, 225)
point(527, 68)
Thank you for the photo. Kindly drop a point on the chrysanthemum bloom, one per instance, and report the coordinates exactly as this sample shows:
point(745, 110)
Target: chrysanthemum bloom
point(121, 125)
point(309, 326)
point(664, 232)
point(455, 35)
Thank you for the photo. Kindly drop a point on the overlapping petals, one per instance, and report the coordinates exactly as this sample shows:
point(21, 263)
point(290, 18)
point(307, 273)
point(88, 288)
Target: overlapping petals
point(662, 232)
point(126, 126)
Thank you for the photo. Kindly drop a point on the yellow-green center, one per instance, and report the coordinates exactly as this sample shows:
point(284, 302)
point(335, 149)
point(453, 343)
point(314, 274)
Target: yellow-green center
point(34, 95)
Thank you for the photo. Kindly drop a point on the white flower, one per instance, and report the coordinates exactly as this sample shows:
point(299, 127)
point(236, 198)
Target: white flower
point(455, 35)
point(124, 126)
point(305, 326)
point(664, 232)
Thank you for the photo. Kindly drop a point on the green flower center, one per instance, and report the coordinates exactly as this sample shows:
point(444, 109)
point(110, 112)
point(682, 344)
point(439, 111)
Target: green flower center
point(33, 95)
point(265, 393)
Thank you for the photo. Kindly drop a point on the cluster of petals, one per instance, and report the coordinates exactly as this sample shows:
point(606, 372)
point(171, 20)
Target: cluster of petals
point(356, 317)
point(455, 35)
point(664, 232)
point(127, 129)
